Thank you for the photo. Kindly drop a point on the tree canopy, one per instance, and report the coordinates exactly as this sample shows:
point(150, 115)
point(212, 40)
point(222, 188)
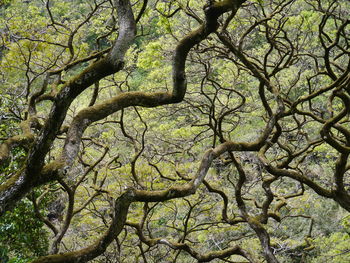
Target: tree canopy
point(174, 131)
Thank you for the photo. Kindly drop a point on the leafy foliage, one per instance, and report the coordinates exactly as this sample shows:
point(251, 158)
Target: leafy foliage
point(22, 236)
point(90, 120)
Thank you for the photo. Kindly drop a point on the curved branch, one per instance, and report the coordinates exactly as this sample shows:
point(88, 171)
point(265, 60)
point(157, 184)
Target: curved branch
point(31, 175)
point(135, 195)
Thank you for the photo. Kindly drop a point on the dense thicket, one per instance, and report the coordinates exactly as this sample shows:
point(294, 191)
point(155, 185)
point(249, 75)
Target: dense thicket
point(174, 131)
